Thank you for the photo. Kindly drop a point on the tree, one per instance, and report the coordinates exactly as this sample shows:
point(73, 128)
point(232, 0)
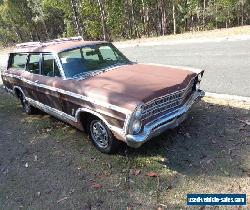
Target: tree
point(32, 20)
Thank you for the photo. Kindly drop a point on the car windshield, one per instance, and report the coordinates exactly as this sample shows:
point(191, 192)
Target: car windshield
point(90, 59)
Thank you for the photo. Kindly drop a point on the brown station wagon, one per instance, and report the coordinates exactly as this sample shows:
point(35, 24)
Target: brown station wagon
point(94, 87)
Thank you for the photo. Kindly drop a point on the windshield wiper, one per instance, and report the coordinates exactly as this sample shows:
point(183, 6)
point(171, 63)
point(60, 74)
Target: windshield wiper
point(78, 75)
point(95, 72)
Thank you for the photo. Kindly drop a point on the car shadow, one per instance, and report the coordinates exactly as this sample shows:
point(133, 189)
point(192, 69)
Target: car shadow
point(214, 140)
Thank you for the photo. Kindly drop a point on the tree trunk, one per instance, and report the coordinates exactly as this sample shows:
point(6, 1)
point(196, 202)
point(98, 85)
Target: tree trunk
point(186, 19)
point(192, 22)
point(203, 16)
point(216, 18)
point(174, 18)
point(242, 14)
point(163, 18)
point(143, 17)
point(75, 17)
point(103, 19)
point(18, 33)
point(134, 25)
point(147, 20)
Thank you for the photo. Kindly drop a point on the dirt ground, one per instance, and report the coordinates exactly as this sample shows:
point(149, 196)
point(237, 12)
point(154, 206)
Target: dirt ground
point(46, 164)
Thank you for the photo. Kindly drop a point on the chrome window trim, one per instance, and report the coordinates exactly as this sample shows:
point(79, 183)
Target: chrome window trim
point(40, 62)
point(98, 71)
point(17, 69)
point(59, 64)
point(56, 62)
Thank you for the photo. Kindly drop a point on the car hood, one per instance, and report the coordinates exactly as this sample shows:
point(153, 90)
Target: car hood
point(128, 85)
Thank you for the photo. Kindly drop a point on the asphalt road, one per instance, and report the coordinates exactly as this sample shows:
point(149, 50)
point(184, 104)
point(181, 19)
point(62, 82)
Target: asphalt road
point(226, 63)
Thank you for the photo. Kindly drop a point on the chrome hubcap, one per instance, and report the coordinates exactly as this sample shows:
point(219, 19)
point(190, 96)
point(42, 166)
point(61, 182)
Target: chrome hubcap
point(25, 105)
point(99, 134)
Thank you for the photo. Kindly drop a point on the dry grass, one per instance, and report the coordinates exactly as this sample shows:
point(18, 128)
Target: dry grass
point(209, 153)
point(218, 33)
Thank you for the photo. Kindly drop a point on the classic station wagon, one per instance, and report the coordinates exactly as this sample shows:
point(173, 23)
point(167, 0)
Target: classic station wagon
point(94, 87)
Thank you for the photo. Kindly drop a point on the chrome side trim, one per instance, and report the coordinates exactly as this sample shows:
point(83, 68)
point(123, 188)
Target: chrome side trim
point(64, 116)
point(75, 95)
point(55, 112)
point(68, 118)
point(128, 113)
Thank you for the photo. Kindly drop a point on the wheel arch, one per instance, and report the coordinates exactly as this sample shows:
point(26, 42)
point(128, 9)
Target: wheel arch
point(18, 91)
point(83, 116)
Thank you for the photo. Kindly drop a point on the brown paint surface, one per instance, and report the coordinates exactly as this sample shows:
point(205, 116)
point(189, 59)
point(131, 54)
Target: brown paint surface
point(129, 85)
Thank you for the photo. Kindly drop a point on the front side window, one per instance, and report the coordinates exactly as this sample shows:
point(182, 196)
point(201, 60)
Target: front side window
point(49, 67)
point(33, 65)
point(18, 61)
point(87, 59)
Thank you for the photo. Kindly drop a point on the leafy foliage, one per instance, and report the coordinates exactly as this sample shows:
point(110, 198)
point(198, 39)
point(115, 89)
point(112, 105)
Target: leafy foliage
point(32, 20)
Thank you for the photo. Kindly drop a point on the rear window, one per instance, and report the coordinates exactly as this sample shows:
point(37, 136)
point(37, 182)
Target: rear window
point(33, 65)
point(18, 61)
point(50, 67)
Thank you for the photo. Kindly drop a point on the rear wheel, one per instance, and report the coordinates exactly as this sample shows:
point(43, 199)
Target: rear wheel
point(102, 137)
point(27, 108)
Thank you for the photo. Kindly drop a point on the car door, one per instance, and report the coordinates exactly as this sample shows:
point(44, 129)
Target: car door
point(48, 81)
point(30, 75)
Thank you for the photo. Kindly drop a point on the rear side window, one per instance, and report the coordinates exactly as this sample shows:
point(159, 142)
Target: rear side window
point(34, 64)
point(18, 61)
point(50, 67)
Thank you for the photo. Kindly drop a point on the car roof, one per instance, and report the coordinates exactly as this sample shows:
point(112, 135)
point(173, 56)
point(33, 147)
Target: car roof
point(54, 46)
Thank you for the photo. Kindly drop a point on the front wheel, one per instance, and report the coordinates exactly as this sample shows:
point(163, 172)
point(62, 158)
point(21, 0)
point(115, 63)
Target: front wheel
point(102, 137)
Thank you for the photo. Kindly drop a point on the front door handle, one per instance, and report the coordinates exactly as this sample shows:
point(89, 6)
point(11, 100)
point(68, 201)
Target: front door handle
point(37, 81)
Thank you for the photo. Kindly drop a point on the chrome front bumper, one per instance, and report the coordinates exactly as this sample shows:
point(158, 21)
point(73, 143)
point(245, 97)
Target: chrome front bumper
point(167, 121)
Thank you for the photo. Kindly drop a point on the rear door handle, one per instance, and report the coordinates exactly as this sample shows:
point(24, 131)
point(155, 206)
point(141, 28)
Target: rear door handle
point(37, 81)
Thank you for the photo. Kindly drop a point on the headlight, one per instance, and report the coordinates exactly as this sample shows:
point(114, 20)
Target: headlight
point(135, 124)
point(197, 87)
point(138, 113)
point(199, 77)
point(136, 127)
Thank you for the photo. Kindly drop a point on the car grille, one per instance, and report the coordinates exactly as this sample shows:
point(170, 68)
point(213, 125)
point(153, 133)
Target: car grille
point(167, 102)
